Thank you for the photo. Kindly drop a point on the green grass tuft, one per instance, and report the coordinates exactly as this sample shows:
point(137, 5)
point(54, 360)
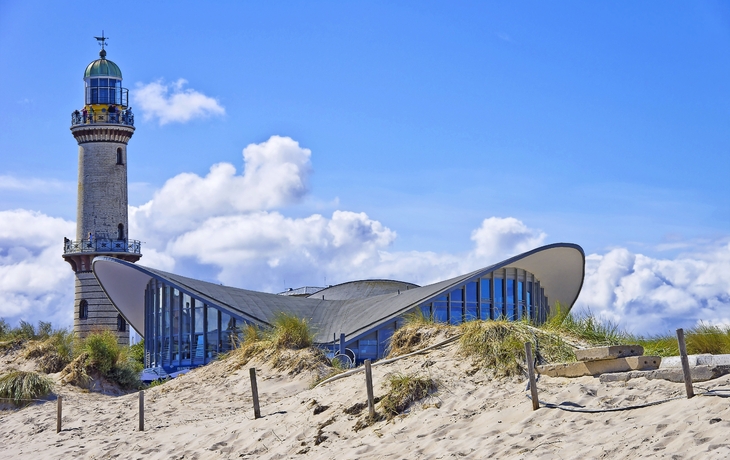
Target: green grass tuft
point(499, 346)
point(19, 387)
point(290, 332)
point(403, 390)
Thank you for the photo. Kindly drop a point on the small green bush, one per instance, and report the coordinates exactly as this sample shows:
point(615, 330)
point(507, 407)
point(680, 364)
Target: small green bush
point(291, 332)
point(103, 350)
point(136, 352)
point(53, 353)
point(586, 326)
point(403, 390)
point(19, 387)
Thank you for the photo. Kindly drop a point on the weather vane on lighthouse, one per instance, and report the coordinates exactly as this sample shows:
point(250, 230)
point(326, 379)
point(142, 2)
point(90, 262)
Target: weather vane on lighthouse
point(102, 40)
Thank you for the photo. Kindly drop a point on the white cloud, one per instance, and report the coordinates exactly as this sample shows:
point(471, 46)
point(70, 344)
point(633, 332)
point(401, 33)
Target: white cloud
point(172, 103)
point(275, 174)
point(35, 282)
point(498, 238)
point(656, 295)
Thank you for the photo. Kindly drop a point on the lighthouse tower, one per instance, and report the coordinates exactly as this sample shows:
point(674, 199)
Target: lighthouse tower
point(102, 129)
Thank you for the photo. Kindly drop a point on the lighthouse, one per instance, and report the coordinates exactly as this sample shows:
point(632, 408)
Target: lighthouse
point(102, 129)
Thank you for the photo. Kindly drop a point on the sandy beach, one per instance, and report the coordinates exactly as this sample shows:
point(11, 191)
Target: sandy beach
point(208, 413)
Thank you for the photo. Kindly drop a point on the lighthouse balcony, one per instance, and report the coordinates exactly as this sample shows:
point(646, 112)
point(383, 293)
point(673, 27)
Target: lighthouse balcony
point(102, 245)
point(123, 117)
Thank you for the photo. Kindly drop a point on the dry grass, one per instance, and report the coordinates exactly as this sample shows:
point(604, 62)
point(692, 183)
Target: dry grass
point(54, 353)
point(286, 346)
point(21, 387)
point(403, 390)
point(499, 346)
point(414, 336)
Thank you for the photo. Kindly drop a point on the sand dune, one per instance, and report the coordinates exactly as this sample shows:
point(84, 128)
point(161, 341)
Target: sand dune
point(208, 414)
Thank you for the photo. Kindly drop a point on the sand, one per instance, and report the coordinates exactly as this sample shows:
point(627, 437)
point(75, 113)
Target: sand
point(208, 414)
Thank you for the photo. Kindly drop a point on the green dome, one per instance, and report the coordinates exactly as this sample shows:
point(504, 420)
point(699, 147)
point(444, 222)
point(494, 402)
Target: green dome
point(102, 68)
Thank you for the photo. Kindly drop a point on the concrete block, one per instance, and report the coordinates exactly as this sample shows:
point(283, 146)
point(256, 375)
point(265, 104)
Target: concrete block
point(697, 360)
point(611, 352)
point(579, 369)
point(698, 373)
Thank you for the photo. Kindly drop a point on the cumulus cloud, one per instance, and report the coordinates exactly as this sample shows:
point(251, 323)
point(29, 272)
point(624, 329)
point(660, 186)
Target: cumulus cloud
point(35, 282)
point(172, 103)
point(646, 294)
point(498, 238)
point(275, 174)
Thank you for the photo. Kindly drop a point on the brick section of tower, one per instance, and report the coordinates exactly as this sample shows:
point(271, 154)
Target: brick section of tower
point(101, 211)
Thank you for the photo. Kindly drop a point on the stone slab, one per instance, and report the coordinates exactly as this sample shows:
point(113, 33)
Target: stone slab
point(698, 373)
point(696, 360)
point(610, 352)
point(582, 368)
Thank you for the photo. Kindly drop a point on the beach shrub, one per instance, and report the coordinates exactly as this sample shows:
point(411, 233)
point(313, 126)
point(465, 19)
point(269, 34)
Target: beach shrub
point(136, 352)
point(4, 328)
point(290, 331)
point(706, 338)
point(499, 346)
point(402, 390)
point(103, 350)
point(19, 387)
point(586, 326)
point(54, 353)
point(101, 353)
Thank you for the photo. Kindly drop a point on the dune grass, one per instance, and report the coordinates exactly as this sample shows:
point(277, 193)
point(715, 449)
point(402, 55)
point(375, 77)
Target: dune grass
point(54, 353)
point(286, 345)
point(20, 387)
point(100, 352)
point(499, 346)
point(404, 389)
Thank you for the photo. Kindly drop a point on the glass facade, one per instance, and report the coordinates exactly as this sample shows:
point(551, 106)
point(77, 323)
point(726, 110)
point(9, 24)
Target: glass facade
point(183, 331)
point(510, 294)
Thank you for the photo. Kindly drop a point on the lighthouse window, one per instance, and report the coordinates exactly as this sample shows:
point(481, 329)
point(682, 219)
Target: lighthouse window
point(94, 82)
point(103, 82)
point(121, 324)
point(83, 309)
point(119, 156)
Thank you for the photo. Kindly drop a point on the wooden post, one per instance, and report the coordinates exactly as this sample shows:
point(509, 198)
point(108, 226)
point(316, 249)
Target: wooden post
point(255, 393)
point(369, 385)
point(141, 410)
point(685, 364)
point(531, 374)
point(59, 413)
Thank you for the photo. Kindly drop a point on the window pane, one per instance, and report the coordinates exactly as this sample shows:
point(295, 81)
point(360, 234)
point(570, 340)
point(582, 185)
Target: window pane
point(471, 291)
point(368, 347)
point(457, 295)
point(384, 335)
point(485, 311)
point(486, 289)
point(471, 311)
point(456, 313)
point(94, 82)
point(426, 310)
point(439, 310)
point(103, 82)
point(212, 333)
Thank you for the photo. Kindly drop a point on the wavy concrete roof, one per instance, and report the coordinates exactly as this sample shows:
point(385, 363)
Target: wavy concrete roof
point(560, 268)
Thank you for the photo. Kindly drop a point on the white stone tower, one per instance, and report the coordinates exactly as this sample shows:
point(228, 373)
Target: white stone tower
point(102, 129)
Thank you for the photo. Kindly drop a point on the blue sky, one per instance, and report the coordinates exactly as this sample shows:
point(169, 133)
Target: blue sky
point(599, 124)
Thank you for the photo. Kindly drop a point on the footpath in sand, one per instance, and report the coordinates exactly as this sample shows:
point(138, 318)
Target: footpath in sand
point(208, 414)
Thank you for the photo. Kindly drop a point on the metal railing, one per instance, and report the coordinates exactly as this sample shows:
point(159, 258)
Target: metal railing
point(125, 117)
point(102, 245)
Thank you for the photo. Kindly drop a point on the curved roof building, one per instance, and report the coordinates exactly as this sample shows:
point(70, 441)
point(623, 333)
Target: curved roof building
point(187, 322)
